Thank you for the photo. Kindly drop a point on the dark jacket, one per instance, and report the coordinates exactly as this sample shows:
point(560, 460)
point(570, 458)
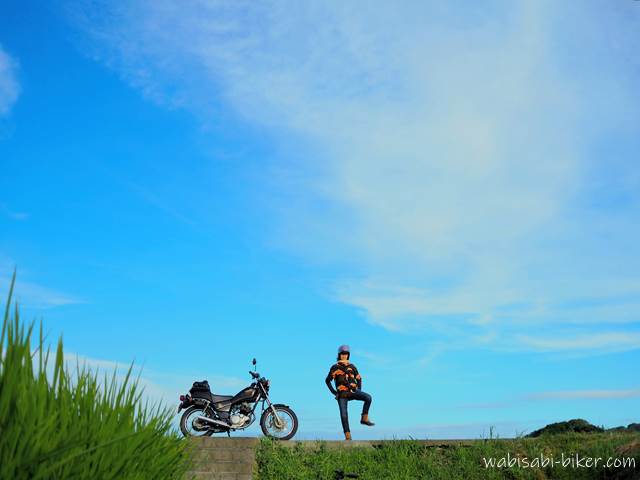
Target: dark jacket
point(346, 378)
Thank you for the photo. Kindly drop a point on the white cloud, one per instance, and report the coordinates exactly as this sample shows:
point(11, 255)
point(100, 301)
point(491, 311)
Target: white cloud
point(32, 294)
point(584, 394)
point(158, 386)
point(596, 342)
point(9, 87)
point(452, 162)
point(557, 395)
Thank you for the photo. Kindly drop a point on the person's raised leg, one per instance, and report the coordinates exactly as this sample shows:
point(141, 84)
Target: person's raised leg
point(366, 398)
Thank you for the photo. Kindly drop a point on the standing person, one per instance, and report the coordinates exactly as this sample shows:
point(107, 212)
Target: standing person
point(348, 384)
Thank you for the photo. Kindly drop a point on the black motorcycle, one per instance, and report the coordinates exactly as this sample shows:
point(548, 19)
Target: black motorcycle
point(207, 413)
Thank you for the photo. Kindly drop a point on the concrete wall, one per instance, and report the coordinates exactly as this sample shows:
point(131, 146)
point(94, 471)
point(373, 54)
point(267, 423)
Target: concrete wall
point(222, 458)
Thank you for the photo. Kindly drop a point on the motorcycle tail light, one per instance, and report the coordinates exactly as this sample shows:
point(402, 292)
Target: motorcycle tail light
point(182, 398)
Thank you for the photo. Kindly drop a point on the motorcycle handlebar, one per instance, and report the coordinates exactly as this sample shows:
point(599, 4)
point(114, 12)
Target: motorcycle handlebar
point(254, 374)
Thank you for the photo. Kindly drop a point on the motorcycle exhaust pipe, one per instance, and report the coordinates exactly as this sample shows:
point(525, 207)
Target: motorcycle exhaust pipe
point(215, 422)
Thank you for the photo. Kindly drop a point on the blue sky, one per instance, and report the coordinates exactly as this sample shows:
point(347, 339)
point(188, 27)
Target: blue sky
point(453, 190)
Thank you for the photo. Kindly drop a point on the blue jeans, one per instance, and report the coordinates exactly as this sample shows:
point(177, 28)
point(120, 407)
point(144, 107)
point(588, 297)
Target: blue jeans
point(343, 401)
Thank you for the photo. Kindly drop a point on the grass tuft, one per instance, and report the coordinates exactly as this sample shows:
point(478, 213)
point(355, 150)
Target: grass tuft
point(62, 424)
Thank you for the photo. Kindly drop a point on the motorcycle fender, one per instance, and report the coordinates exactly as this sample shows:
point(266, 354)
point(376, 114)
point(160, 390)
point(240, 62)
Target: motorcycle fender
point(184, 404)
point(280, 405)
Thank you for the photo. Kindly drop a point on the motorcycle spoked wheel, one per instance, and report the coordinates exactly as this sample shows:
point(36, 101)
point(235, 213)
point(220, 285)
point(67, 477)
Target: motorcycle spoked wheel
point(191, 427)
point(286, 415)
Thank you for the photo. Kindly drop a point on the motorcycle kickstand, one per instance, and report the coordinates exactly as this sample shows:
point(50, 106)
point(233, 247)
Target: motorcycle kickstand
point(228, 434)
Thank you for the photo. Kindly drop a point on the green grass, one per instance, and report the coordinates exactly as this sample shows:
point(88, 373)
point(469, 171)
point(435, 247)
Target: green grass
point(407, 459)
point(62, 424)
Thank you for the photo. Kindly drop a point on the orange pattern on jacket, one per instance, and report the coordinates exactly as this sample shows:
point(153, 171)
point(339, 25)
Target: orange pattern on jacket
point(345, 376)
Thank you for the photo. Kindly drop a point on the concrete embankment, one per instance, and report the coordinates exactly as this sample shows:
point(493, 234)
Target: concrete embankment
point(222, 458)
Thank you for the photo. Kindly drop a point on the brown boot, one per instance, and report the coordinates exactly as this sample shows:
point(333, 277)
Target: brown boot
point(365, 420)
point(347, 436)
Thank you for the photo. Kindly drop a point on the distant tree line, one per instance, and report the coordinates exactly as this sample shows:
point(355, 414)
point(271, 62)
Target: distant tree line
point(581, 426)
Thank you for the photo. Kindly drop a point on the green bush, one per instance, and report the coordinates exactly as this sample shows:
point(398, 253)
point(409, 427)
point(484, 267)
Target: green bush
point(576, 425)
point(59, 424)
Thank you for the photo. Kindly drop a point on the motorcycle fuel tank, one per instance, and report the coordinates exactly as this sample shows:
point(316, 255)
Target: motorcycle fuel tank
point(244, 395)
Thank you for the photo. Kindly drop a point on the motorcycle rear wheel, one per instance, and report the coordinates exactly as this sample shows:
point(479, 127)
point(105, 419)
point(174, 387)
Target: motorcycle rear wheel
point(189, 425)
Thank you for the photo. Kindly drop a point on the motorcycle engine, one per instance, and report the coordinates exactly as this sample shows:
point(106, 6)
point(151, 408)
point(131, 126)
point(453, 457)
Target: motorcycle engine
point(241, 415)
point(238, 419)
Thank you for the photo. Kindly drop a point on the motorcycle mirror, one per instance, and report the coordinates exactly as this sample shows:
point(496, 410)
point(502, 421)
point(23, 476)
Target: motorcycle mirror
point(254, 362)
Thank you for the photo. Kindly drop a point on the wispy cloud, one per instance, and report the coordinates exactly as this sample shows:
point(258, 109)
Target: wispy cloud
point(556, 395)
point(37, 296)
point(32, 294)
point(456, 176)
point(145, 193)
point(584, 394)
point(483, 405)
point(374, 358)
point(9, 86)
point(158, 386)
point(110, 369)
point(14, 215)
point(610, 341)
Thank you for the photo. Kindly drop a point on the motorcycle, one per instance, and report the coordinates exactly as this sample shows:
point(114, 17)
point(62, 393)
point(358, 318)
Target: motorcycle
point(207, 413)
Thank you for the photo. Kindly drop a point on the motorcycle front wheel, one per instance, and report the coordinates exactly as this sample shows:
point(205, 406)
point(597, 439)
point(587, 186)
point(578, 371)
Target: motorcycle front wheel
point(191, 426)
point(287, 427)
